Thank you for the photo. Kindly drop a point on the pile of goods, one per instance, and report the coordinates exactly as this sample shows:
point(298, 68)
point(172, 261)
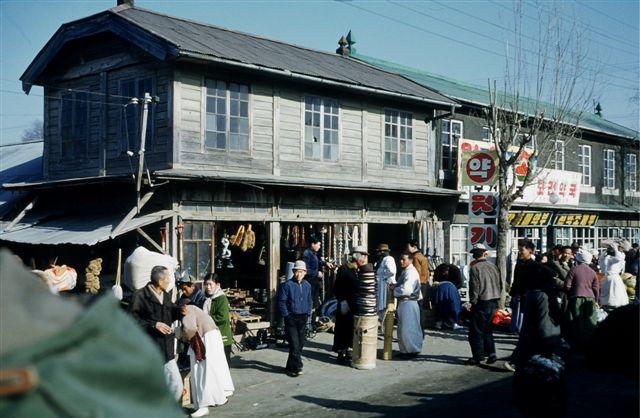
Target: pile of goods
point(138, 266)
point(62, 278)
point(366, 296)
point(502, 318)
point(92, 275)
point(629, 281)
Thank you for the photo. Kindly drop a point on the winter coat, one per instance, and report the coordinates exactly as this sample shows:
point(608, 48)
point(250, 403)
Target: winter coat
point(421, 264)
point(220, 313)
point(147, 310)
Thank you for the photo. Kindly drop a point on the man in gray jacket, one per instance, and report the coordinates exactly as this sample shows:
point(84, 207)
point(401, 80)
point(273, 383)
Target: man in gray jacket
point(485, 288)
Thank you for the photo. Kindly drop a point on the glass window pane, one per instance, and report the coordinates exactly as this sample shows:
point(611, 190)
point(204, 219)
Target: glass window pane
point(210, 139)
point(221, 141)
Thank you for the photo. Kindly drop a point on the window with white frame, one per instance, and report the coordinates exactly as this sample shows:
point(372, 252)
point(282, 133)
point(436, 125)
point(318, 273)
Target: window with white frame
point(458, 253)
point(585, 237)
point(631, 234)
point(530, 234)
point(486, 133)
point(631, 175)
point(558, 154)
point(227, 123)
point(609, 169)
point(451, 134)
point(321, 129)
point(398, 138)
point(562, 236)
point(584, 160)
point(607, 233)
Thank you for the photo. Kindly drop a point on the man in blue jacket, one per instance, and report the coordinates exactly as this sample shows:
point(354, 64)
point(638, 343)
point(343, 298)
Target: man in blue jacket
point(294, 302)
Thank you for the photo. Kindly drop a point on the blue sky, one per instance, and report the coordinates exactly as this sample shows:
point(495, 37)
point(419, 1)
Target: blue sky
point(444, 37)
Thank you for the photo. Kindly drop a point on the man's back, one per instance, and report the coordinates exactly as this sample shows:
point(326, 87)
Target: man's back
point(485, 282)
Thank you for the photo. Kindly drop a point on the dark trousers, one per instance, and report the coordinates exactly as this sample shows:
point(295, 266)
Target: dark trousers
point(295, 325)
point(227, 352)
point(315, 295)
point(480, 329)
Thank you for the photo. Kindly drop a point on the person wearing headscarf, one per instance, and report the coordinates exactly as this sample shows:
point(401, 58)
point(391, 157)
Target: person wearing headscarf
point(210, 377)
point(613, 292)
point(583, 290)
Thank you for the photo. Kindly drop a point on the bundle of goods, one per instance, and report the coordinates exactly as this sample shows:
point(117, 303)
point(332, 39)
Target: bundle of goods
point(502, 318)
point(629, 281)
point(244, 238)
point(366, 294)
point(138, 266)
point(93, 276)
point(62, 278)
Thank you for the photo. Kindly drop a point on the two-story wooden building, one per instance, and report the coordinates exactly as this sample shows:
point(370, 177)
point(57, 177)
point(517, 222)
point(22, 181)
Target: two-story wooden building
point(605, 156)
point(247, 133)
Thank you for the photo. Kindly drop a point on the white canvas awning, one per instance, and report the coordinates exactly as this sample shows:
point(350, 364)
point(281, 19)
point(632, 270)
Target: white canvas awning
point(76, 229)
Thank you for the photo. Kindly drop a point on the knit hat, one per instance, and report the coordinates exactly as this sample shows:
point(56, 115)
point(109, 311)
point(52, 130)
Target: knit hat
point(300, 265)
point(583, 256)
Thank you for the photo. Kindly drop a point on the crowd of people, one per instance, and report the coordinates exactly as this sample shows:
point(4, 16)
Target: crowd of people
point(555, 300)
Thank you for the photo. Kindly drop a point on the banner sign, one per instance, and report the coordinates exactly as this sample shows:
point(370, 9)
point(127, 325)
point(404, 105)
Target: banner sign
point(483, 205)
point(530, 219)
point(478, 168)
point(575, 219)
point(553, 187)
point(485, 234)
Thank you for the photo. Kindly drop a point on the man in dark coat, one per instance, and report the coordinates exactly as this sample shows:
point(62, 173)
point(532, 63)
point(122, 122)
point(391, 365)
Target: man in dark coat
point(191, 294)
point(345, 288)
point(154, 310)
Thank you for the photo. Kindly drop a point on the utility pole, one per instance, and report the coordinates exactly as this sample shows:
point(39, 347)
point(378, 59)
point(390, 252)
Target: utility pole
point(143, 135)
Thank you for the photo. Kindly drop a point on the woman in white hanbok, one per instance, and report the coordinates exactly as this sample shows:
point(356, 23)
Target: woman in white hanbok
point(407, 290)
point(211, 382)
point(613, 292)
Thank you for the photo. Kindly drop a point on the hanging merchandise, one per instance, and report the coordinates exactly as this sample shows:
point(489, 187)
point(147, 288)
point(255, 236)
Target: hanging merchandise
point(236, 239)
point(261, 258)
point(340, 248)
point(287, 236)
point(225, 253)
point(92, 275)
point(295, 236)
point(355, 237)
point(249, 239)
point(303, 240)
point(323, 236)
point(346, 237)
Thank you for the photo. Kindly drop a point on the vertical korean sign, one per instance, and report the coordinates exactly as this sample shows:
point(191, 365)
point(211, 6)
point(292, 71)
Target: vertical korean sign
point(478, 169)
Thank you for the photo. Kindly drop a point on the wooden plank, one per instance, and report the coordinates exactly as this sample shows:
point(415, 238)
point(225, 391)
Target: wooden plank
point(276, 132)
point(151, 241)
point(21, 215)
point(131, 214)
point(274, 234)
point(102, 136)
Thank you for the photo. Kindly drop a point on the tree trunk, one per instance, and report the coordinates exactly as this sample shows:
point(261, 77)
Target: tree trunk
point(503, 232)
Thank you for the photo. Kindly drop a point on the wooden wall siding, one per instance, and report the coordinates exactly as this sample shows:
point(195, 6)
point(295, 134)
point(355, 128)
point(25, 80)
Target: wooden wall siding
point(191, 115)
point(277, 138)
point(157, 155)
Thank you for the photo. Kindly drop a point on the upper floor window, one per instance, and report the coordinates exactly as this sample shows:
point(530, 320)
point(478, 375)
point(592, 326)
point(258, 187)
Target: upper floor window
point(130, 127)
point(486, 134)
point(227, 123)
point(74, 124)
point(558, 154)
point(584, 160)
point(609, 169)
point(398, 138)
point(321, 129)
point(631, 175)
point(451, 134)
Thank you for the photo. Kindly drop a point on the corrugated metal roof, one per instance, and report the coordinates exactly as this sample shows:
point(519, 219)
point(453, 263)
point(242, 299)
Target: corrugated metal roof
point(213, 175)
point(18, 163)
point(470, 93)
point(212, 41)
point(75, 229)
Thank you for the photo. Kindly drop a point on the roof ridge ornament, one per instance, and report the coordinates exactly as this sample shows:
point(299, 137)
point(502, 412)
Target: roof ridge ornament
point(343, 48)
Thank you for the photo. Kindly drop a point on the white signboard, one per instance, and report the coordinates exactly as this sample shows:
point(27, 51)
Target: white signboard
point(555, 187)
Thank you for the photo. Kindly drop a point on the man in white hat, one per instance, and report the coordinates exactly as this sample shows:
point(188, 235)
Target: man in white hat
point(295, 303)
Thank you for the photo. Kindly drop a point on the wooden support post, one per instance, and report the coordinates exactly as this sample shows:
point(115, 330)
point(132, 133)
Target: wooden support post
point(274, 265)
point(151, 241)
point(131, 214)
point(21, 215)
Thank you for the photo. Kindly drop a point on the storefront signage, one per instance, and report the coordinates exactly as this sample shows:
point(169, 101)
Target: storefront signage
point(478, 168)
point(556, 187)
point(485, 234)
point(530, 219)
point(483, 205)
point(575, 219)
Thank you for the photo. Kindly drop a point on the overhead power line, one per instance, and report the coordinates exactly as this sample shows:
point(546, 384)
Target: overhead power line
point(493, 38)
point(421, 29)
point(615, 19)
